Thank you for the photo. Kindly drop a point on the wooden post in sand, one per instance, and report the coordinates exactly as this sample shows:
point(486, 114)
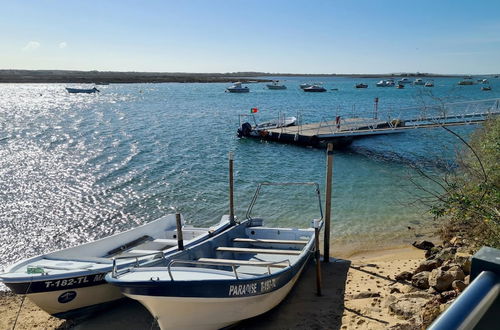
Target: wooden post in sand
point(328, 202)
point(231, 190)
point(180, 239)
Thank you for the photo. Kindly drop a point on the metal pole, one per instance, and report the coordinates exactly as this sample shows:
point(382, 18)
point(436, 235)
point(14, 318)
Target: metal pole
point(328, 202)
point(318, 257)
point(231, 190)
point(180, 240)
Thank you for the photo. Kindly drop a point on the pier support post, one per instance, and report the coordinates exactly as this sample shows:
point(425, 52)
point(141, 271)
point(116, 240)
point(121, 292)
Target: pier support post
point(328, 202)
point(231, 190)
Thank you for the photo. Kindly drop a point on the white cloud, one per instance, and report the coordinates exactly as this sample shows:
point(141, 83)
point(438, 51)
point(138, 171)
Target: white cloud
point(32, 45)
point(63, 44)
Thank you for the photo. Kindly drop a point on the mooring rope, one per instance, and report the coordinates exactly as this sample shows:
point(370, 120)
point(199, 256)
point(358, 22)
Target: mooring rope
point(22, 302)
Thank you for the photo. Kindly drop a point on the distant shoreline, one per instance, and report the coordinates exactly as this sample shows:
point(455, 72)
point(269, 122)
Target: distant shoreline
point(90, 77)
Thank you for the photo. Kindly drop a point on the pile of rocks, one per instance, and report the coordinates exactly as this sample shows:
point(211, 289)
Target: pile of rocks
point(433, 285)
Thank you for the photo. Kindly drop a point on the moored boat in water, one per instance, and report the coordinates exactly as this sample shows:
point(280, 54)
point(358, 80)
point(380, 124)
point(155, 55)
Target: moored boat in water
point(246, 129)
point(277, 123)
point(240, 273)
point(467, 81)
point(276, 85)
point(361, 85)
point(237, 88)
point(314, 88)
point(70, 282)
point(418, 82)
point(82, 90)
point(385, 83)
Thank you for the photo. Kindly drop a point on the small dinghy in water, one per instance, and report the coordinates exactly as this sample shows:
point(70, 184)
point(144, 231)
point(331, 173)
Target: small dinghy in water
point(240, 273)
point(82, 90)
point(70, 282)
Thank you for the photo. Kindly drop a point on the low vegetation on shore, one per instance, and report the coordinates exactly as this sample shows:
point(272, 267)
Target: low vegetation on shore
point(469, 206)
point(72, 76)
point(468, 218)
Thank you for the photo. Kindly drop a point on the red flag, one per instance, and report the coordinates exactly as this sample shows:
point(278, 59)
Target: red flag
point(254, 110)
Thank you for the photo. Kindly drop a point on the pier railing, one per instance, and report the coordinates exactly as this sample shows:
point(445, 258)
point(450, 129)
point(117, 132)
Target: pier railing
point(389, 119)
point(478, 306)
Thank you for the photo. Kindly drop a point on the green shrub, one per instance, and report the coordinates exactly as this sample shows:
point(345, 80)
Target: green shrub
point(470, 204)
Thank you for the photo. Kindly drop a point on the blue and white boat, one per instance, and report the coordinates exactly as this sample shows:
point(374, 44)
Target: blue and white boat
point(82, 90)
point(276, 85)
point(386, 83)
point(314, 88)
point(240, 273)
point(237, 88)
point(246, 129)
point(418, 82)
point(70, 282)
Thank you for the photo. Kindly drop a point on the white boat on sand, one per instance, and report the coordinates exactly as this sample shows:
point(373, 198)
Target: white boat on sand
point(240, 273)
point(70, 282)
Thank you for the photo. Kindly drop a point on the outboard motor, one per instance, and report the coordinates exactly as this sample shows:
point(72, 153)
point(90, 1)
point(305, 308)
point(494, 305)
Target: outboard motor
point(244, 130)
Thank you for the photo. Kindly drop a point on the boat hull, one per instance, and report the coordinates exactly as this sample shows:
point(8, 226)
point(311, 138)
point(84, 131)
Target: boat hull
point(72, 284)
point(314, 90)
point(276, 87)
point(70, 303)
point(239, 90)
point(177, 312)
point(82, 91)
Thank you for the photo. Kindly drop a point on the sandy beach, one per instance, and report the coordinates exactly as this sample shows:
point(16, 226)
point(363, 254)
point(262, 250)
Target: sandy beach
point(355, 294)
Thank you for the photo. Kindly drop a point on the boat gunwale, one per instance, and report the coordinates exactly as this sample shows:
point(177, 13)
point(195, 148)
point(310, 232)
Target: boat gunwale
point(198, 288)
point(11, 277)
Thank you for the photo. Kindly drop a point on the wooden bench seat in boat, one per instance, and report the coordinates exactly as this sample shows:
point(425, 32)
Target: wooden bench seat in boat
point(166, 241)
point(263, 251)
point(128, 245)
point(269, 241)
point(230, 262)
point(151, 246)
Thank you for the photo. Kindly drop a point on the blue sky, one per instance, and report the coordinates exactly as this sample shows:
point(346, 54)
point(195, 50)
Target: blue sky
point(320, 36)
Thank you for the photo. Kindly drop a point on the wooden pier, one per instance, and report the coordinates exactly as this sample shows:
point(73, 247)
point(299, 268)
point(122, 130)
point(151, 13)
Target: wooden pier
point(342, 131)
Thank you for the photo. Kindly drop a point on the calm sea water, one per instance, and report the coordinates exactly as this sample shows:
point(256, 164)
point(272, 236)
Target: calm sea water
point(74, 168)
